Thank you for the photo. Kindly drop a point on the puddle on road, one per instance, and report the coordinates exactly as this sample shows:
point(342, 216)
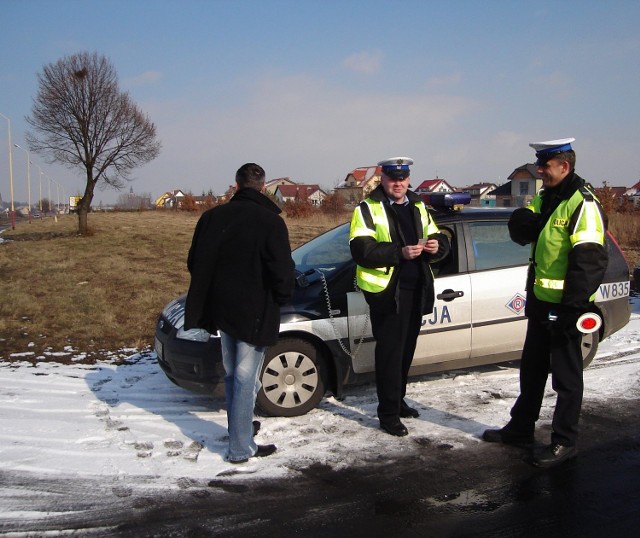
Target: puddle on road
point(465, 501)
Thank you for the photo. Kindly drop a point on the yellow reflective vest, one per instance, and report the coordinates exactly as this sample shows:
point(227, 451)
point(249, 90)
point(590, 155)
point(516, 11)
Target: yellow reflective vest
point(562, 232)
point(376, 279)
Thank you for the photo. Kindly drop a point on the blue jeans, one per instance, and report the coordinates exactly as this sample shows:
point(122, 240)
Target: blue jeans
point(242, 363)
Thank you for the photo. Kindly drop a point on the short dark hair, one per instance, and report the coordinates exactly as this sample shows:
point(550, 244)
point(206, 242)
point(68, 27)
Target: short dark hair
point(250, 176)
point(568, 156)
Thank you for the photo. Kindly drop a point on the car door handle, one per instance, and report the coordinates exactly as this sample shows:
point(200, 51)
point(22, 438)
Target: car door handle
point(449, 295)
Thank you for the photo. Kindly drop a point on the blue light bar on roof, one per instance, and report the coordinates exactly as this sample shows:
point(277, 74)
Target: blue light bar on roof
point(446, 200)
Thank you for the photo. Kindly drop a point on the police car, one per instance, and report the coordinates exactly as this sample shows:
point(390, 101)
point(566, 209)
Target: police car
point(325, 340)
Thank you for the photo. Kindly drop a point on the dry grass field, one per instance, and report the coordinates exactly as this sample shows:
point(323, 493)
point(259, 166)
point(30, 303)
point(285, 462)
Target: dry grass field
point(61, 293)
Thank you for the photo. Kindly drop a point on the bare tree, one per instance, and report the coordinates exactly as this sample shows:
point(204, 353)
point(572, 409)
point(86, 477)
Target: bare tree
point(82, 120)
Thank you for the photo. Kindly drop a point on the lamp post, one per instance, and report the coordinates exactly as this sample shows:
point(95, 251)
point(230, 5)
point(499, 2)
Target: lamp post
point(40, 205)
point(28, 176)
point(49, 178)
point(13, 213)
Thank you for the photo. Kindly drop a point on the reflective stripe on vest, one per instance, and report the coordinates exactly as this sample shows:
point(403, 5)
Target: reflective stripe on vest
point(556, 241)
point(594, 233)
point(377, 279)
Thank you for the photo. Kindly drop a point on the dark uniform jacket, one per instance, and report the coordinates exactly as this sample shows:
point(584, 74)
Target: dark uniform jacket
point(241, 269)
point(368, 252)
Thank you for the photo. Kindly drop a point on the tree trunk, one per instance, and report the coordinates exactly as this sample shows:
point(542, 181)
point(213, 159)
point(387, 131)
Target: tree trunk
point(83, 226)
point(84, 205)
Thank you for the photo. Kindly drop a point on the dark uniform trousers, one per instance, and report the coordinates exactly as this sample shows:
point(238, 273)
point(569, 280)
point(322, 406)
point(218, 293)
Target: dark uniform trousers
point(562, 355)
point(396, 334)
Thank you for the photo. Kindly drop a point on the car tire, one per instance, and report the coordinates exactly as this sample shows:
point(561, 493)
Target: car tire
point(293, 378)
point(589, 347)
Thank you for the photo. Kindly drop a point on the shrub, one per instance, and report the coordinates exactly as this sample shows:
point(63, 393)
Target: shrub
point(298, 209)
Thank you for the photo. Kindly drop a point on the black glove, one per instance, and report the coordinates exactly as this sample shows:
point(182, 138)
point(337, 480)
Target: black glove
point(564, 326)
point(524, 226)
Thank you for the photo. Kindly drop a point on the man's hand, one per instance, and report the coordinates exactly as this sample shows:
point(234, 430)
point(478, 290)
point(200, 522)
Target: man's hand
point(431, 246)
point(411, 252)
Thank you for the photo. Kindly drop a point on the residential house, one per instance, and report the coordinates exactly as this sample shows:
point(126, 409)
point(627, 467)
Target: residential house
point(271, 185)
point(170, 199)
point(502, 195)
point(300, 193)
point(634, 194)
point(481, 194)
point(358, 184)
point(228, 194)
point(525, 183)
point(617, 194)
point(434, 185)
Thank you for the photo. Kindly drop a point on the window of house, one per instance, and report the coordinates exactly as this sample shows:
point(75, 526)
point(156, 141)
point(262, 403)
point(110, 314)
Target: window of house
point(524, 188)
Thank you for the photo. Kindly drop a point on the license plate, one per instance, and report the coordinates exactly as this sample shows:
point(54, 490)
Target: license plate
point(159, 348)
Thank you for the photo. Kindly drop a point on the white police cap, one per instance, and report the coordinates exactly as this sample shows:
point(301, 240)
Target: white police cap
point(396, 162)
point(396, 168)
point(545, 151)
point(552, 146)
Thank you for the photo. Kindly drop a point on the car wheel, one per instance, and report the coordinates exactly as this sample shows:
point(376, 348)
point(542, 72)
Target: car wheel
point(292, 377)
point(589, 347)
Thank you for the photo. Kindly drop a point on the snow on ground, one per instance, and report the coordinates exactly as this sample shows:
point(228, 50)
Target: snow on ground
point(129, 423)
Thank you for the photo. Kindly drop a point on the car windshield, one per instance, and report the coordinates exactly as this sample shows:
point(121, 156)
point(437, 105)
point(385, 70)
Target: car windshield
point(327, 252)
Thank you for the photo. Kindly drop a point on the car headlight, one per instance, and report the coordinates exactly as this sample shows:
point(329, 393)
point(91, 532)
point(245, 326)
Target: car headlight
point(195, 335)
point(174, 314)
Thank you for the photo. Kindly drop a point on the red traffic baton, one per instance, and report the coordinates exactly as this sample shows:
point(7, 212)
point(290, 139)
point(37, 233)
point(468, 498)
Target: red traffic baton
point(589, 323)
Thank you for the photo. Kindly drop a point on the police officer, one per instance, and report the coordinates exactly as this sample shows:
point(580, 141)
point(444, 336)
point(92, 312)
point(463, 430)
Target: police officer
point(393, 238)
point(565, 225)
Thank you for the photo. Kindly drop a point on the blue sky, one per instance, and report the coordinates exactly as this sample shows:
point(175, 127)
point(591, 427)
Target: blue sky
point(313, 89)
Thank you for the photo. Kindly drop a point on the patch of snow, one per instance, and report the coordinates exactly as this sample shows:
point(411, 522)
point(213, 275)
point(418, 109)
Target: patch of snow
point(129, 422)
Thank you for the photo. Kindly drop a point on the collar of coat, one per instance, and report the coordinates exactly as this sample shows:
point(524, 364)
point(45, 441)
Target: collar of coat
point(566, 188)
point(379, 195)
point(252, 195)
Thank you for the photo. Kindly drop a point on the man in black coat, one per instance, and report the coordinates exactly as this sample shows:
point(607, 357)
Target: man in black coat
point(241, 273)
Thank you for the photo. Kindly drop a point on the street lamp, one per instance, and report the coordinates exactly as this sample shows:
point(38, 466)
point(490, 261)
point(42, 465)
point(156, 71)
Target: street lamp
point(13, 213)
point(40, 205)
point(49, 178)
point(28, 176)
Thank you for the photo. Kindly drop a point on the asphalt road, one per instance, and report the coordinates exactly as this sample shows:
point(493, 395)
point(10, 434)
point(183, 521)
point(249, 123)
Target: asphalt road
point(482, 490)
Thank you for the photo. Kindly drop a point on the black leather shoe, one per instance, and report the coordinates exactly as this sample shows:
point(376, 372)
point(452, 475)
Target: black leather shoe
point(396, 428)
point(508, 437)
point(554, 454)
point(408, 412)
point(256, 427)
point(263, 451)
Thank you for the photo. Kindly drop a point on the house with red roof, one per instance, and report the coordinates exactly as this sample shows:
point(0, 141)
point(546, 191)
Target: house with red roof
point(271, 185)
point(634, 194)
point(358, 184)
point(312, 194)
point(434, 185)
